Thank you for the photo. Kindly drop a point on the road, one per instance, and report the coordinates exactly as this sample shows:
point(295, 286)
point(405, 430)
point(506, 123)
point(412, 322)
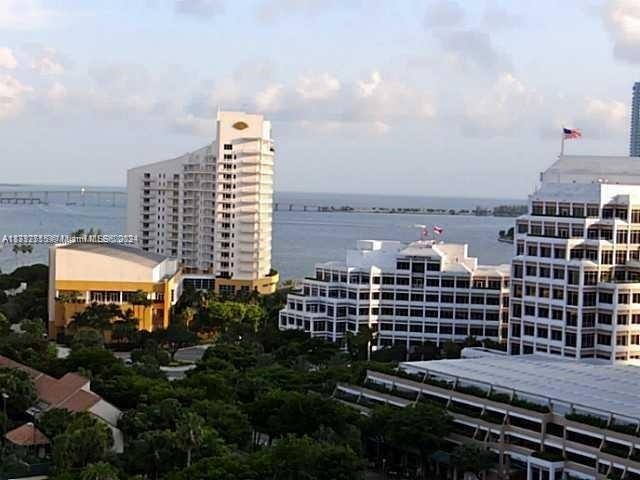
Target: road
point(191, 354)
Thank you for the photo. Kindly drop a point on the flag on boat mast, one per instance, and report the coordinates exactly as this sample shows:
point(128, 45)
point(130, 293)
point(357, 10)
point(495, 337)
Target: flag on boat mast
point(569, 134)
point(438, 230)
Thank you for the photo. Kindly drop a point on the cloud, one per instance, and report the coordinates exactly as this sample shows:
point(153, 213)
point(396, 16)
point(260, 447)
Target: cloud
point(7, 60)
point(12, 96)
point(498, 18)
point(24, 14)
point(195, 125)
point(56, 94)
point(271, 10)
point(444, 13)
point(199, 8)
point(317, 87)
point(603, 118)
point(622, 20)
point(46, 60)
point(320, 99)
point(474, 49)
point(268, 100)
point(504, 110)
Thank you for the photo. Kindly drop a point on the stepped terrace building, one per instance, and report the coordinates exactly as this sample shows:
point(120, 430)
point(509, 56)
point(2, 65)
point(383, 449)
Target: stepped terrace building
point(212, 208)
point(84, 273)
point(407, 293)
point(543, 417)
point(575, 280)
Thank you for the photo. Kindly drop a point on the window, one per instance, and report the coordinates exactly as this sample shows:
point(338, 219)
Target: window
point(228, 146)
point(604, 339)
point(402, 265)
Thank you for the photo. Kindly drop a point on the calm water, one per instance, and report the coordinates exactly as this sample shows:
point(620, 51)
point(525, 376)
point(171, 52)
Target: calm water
point(300, 239)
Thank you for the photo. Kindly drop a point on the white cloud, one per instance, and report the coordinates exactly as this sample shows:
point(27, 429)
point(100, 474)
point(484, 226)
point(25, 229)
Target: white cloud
point(318, 87)
point(382, 101)
point(373, 101)
point(24, 14)
point(56, 94)
point(270, 10)
point(367, 87)
point(7, 60)
point(444, 13)
point(268, 100)
point(496, 17)
point(504, 110)
point(474, 49)
point(603, 118)
point(622, 19)
point(12, 94)
point(47, 61)
point(199, 8)
point(195, 125)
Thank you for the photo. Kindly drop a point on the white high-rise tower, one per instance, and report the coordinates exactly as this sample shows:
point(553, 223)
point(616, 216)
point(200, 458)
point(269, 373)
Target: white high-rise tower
point(575, 279)
point(212, 208)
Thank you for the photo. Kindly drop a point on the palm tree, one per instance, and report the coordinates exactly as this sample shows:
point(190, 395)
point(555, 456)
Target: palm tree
point(190, 433)
point(137, 299)
point(16, 249)
point(99, 471)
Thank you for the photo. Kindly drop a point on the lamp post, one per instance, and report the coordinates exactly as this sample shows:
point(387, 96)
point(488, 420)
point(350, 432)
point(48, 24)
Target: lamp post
point(5, 397)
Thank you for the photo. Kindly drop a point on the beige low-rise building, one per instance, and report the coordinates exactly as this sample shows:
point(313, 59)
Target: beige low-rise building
point(81, 274)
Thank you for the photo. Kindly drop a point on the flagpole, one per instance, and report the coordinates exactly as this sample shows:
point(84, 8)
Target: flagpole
point(562, 143)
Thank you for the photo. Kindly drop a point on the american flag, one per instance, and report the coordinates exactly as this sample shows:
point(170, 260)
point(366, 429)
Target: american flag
point(571, 133)
point(437, 230)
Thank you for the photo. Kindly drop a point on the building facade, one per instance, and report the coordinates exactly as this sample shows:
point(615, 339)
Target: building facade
point(634, 141)
point(405, 293)
point(212, 208)
point(575, 280)
point(83, 273)
point(544, 418)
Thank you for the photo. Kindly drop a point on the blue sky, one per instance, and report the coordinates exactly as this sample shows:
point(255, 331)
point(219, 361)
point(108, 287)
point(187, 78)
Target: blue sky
point(433, 97)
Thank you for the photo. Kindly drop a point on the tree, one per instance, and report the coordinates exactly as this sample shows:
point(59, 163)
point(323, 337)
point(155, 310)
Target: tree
point(472, 458)
point(190, 433)
point(99, 471)
point(125, 330)
point(139, 298)
point(421, 429)
point(5, 325)
point(451, 350)
point(19, 386)
point(87, 338)
point(97, 316)
point(359, 345)
point(84, 441)
point(55, 421)
point(34, 327)
point(295, 458)
point(175, 337)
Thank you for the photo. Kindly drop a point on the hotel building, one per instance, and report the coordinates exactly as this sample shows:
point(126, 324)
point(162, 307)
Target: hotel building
point(406, 293)
point(634, 141)
point(544, 418)
point(575, 279)
point(212, 208)
point(84, 273)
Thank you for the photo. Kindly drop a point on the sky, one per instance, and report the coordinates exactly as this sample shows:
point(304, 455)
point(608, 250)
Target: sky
point(431, 97)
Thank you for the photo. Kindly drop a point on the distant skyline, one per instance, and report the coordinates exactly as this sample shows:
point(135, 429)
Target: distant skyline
point(423, 98)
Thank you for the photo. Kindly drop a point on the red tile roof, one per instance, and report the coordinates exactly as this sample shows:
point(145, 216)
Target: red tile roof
point(27, 435)
point(71, 391)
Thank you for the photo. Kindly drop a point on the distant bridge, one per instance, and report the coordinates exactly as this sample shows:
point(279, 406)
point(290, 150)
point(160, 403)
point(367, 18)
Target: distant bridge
point(79, 197)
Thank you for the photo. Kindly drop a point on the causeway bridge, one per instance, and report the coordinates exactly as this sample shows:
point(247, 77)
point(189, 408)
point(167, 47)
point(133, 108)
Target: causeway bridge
point(79, 197)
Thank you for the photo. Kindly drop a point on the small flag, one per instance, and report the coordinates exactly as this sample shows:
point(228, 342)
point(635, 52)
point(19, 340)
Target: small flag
point(437, 230)
point(571, 133)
